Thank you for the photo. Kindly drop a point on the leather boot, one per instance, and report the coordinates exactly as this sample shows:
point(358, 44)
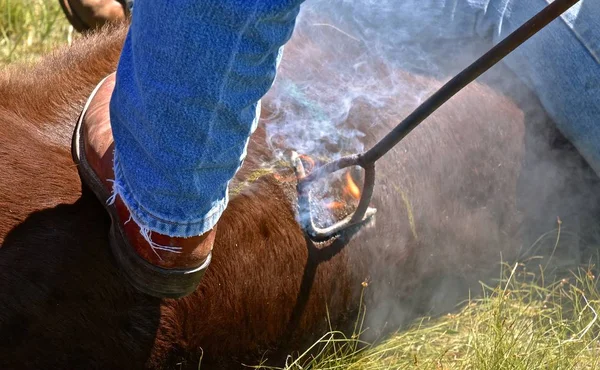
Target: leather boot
point(86, 15)
point(152, 270)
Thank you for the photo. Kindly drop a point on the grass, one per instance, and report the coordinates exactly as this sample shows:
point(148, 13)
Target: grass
point(30, 28)
point(520, 322)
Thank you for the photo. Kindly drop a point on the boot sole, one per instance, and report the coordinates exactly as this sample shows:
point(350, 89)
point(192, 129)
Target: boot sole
point(72, 17)
point(144, 276)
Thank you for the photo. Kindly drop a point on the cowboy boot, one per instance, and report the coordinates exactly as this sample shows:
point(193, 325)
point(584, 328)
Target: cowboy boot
point(175, 268)
point(87, 15)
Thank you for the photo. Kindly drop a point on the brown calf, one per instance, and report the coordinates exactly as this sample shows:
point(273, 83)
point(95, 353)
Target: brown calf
point(446, 200)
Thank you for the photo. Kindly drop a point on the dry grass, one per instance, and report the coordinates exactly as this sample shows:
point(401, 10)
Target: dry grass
point(521, 323)
point(30, 28)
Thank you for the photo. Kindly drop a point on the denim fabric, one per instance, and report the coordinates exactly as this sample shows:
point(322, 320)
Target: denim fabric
point(190, 77)
point(561, 64)
point(186, 100)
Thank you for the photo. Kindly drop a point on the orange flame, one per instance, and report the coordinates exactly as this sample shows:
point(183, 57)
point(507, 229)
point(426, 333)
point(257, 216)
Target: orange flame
point(335, 205)
point(351, 187)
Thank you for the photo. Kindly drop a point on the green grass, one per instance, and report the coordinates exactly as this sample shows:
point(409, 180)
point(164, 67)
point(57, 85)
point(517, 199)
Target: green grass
point(521, 322)
point(30, 28)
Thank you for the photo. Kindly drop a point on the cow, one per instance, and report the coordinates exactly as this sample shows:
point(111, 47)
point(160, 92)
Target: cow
point(446, 200)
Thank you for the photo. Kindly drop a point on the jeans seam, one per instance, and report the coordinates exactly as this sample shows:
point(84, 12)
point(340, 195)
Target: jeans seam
point(590, 49)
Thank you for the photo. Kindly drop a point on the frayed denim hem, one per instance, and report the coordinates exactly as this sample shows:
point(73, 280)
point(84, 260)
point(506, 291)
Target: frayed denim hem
point(149, 223)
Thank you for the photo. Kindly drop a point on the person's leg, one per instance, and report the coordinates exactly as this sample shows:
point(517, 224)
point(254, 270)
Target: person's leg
point(561, 64)
point(185, 102)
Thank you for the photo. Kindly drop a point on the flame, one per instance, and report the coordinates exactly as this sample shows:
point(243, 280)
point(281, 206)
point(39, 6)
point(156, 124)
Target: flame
point(334, 205)
point(351, 187)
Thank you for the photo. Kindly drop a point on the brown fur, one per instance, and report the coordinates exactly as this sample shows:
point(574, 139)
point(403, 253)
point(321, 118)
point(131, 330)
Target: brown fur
point(64, 305)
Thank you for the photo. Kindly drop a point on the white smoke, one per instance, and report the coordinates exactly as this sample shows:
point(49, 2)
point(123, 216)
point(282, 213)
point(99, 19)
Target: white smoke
point(346, 55)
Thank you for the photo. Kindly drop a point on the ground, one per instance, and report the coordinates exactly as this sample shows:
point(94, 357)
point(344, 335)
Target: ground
point(524, 320)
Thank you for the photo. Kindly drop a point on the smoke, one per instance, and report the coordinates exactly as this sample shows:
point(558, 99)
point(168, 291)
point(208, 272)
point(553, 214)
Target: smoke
point(340, 41)
point(344, 55)
point(348, 52)
point(339, 89)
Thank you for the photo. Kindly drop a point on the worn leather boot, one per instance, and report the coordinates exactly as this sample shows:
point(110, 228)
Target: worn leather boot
point(150, 268)
point(86, 15)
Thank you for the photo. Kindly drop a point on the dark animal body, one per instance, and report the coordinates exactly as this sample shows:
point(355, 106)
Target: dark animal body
point(446, 200)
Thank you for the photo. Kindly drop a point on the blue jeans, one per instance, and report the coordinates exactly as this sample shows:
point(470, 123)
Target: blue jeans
point(186, 100)
point(191, 75)
point(561, 64)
